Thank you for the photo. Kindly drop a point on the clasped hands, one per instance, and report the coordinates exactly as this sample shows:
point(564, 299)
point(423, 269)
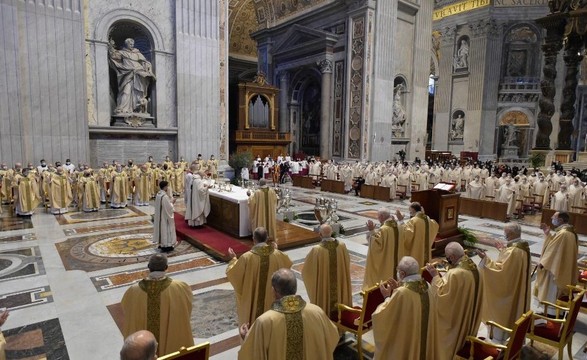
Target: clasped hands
point(387, 287)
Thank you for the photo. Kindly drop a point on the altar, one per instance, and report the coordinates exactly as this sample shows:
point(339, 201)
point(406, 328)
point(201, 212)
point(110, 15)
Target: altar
point(229, 211)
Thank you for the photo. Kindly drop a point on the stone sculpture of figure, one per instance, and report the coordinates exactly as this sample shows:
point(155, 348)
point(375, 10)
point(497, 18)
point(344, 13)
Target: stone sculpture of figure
point(458, 127)
point(461, 60)
point(510, 135)
point(399, 113)
point(134, 74)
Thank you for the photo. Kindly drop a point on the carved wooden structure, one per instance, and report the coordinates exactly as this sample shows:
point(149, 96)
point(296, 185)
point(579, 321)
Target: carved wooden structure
point(258, 130)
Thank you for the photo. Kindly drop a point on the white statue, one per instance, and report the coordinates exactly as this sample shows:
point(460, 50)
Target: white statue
point(399, 113)
point(134, 74)
point(461, 60)
point(458, 127)
point(510, 135)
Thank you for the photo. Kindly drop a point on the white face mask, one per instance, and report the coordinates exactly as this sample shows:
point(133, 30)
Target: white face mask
point(556, 222)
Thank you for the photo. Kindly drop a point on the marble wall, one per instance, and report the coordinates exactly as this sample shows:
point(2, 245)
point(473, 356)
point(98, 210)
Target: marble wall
point(198, 77)
point(42, 77)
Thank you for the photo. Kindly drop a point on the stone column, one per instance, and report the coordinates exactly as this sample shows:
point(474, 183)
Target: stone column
point(283, 102)
point(550, 48)
point(572, 60)
point(325, 113)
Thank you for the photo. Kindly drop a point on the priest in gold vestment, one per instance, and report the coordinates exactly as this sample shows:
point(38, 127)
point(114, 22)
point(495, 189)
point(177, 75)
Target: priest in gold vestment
point(262, 209)
point(161, 305)
point(291, 329)
point(404, 325)
point(118, 188)
point(385, 249)
point(142, 180)
point(88, 192)
point(326, 273)
point(420, 232)
point(506, 281)
point(458, 296)
point(26, 193)
point(250, 275)
point(557, 267)
point(60, 195)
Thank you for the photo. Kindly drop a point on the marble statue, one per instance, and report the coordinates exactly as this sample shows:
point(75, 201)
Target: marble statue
point(134, 74)
point(510, 135)
point(461, 60)
point(399, 113)
point(458, 127)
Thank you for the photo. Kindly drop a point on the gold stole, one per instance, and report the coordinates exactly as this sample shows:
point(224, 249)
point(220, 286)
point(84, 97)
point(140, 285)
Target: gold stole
point(332, 272)
point(392, 224)
point(467, 264)
point(154, 288)
point(427, 233)
point(523, 245)
point(266, 194)
point(421, 287)
point(291, 307)
point(263, 251)
point(25, 195)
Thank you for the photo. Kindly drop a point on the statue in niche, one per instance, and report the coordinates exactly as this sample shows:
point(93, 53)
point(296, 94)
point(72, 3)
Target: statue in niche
point(399, 113)
point(457, 129)
point(461, 60)
point(134, 74)
point(509, 135)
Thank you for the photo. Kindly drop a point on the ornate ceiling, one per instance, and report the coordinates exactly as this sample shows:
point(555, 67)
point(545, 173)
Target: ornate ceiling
point(247, 16)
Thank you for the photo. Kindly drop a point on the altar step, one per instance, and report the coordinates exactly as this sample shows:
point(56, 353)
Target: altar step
point(216, 243)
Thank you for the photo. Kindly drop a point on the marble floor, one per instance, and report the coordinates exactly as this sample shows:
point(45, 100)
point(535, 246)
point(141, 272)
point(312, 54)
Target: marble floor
point(63, 277)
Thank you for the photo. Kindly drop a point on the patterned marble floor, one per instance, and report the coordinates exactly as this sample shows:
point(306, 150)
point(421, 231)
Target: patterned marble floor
point(63, 277)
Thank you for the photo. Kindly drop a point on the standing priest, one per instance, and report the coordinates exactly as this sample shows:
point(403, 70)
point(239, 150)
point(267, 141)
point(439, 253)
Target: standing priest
point(164, 223)
point(326, 273)
point(506, 281)
point(250, 275)
point(198, 206)
point(262, 209)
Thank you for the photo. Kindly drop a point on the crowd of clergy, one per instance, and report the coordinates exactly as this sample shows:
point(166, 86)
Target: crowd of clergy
point(442, 306)
point(60, 186)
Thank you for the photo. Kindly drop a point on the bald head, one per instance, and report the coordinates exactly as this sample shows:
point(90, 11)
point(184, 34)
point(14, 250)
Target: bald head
point(284, 283)
point(454, 252)
point(158, 262)
point(383, 214)
point(141, 345)
point(512, 230)
point(260, 235)
point(262, 182)
point(325, 231)
point(408, 266)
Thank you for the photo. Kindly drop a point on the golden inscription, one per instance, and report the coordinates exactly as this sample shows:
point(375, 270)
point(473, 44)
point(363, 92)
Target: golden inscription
point(458, 8)
point(510, 3)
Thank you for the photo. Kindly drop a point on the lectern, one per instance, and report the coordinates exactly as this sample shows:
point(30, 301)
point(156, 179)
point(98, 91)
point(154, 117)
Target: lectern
point(442, 204)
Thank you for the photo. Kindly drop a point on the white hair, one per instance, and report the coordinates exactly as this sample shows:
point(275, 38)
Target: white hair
point(409, 266)
point(514, 228)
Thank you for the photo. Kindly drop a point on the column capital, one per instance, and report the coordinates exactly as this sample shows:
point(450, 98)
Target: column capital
point(325, 66)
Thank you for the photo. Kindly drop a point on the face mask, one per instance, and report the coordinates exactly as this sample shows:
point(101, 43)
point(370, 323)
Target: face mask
point(556, 222)
point(43, 164)
point(397, 276)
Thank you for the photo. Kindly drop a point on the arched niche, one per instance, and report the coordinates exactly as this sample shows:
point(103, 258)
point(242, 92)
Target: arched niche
point(399, 116)
point(521, 57)
point(118, 33)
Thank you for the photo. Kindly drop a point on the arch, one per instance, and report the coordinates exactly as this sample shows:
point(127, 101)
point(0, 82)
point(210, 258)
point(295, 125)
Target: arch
point(519, 116)
point(301, 78)
point(401, 79)
point(507, 32)
point(104, 24)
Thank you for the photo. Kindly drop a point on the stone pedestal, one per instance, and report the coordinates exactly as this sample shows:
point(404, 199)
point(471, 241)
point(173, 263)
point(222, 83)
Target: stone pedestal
point(582, 156)
point(133, 120)
point(509, 152)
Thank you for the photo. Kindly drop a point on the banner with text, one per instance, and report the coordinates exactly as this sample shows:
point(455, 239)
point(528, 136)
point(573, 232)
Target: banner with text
point(461, 7)
point(510, 3)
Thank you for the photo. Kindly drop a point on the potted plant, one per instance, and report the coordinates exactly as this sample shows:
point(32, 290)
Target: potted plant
point(238, 161)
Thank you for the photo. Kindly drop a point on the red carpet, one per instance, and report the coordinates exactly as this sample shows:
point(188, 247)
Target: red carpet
point(209, 240)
